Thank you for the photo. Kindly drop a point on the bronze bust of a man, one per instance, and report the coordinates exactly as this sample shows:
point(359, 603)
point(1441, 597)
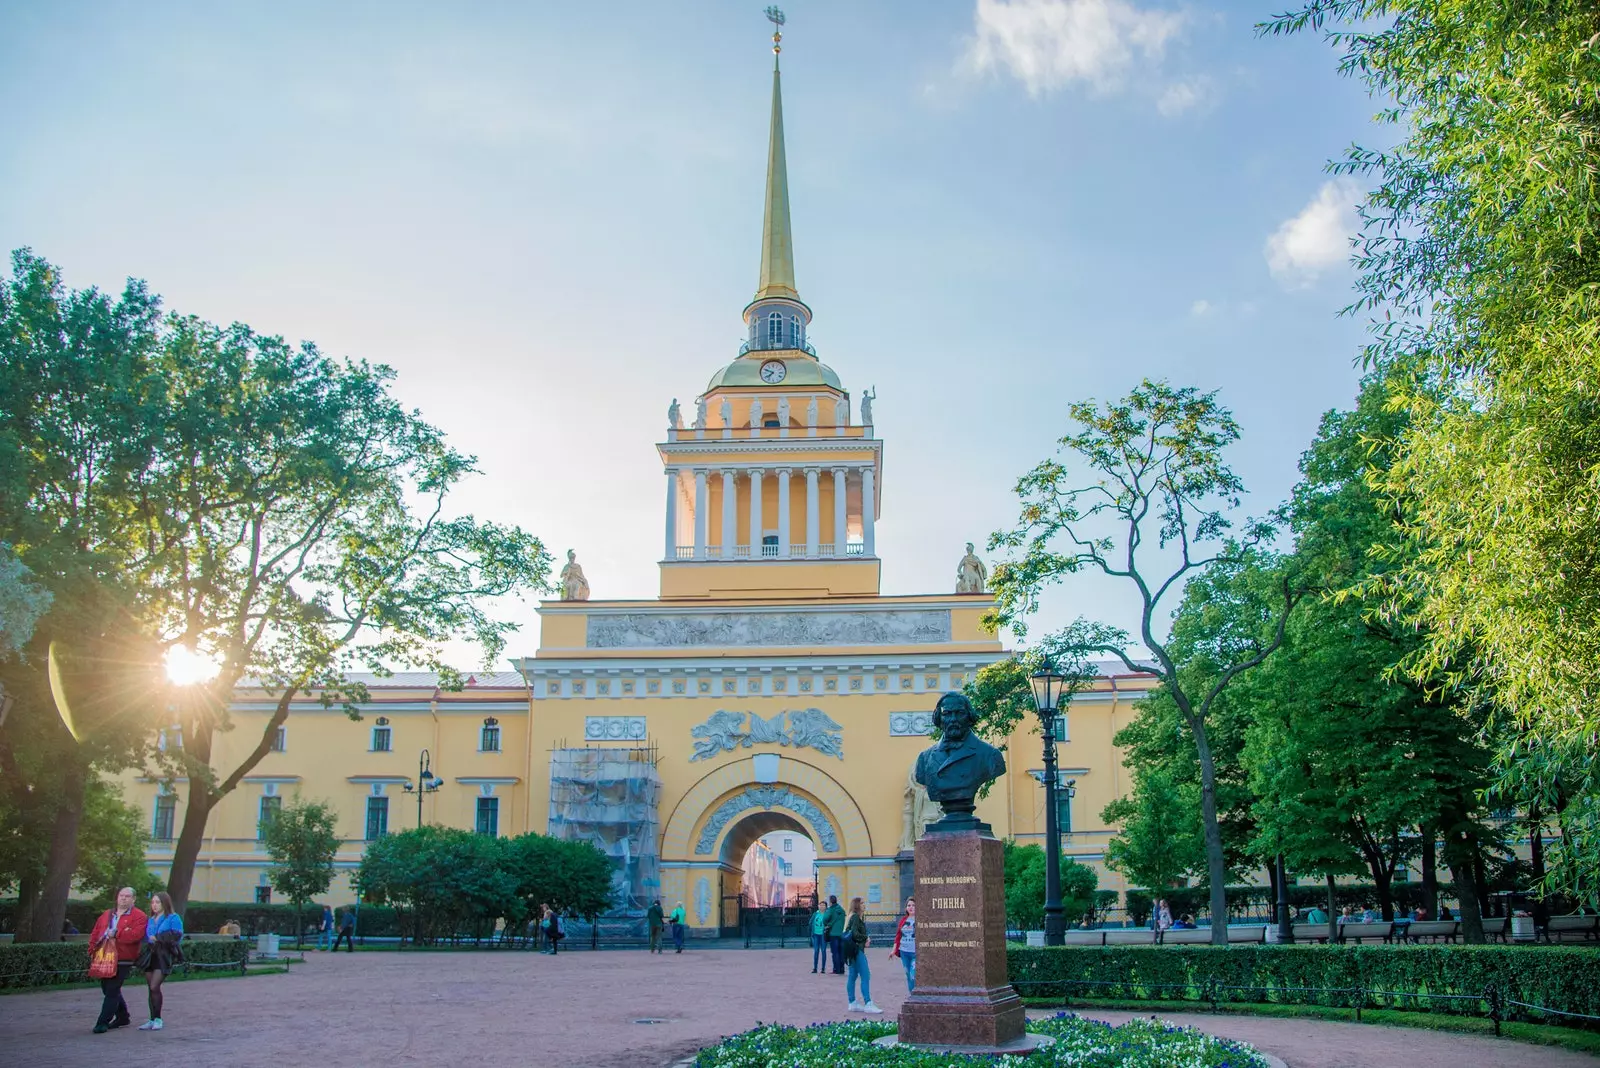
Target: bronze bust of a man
point(955, 769)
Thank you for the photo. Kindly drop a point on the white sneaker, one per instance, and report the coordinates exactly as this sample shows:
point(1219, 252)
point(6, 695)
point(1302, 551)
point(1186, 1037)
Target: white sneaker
point(853, 1007)
point(155, 1025)
point(870, 1007)
point(149, 1025)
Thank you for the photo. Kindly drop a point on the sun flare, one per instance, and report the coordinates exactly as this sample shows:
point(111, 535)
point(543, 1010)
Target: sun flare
point(188, 667)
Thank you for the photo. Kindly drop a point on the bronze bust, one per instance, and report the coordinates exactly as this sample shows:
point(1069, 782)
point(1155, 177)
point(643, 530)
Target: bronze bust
point(955, 769)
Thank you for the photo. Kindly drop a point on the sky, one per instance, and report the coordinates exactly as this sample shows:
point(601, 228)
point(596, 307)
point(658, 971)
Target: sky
point(546, 218)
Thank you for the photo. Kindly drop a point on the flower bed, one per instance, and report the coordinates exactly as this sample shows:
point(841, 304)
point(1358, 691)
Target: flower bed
point(1079, 1044)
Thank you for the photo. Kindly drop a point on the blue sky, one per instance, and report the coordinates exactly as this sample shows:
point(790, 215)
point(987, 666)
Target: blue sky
point(546, 217)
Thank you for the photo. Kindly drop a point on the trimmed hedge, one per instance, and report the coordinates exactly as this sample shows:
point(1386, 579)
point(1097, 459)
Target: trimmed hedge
point(52, 963)
point(1563, 979)
point(206, 917)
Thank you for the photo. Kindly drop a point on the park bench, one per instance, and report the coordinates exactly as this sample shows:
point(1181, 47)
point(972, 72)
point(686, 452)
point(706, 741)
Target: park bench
point(1363, 932)
point(1433, 930)
point(1199, 936)
point(1084, 938)
point(1310, 932)
point(192, 936)
point(1255, 932)
point(1130, 936)
point(1572, 928)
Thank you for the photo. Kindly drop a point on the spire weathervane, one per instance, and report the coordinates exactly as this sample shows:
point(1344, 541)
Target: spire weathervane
point(775, 16)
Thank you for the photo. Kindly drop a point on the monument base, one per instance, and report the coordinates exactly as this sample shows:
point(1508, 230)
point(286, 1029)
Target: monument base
point(963, 997)
point(1020, 1047)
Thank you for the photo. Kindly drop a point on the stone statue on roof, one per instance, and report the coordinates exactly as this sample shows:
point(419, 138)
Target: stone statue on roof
point(674, 415)
point(811, 412)
point(841, 411)
point(574, 587)
point(783, 411)
point(867, 397)
point(755, 412)
point(725, 410)
point(699, 413)
point(971, 574)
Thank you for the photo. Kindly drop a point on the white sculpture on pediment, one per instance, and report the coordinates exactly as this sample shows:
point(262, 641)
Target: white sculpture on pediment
point(700, 413)
point(574, 587)
point(811, 412)
point(726, 411)
point(971, 574)
point(674, 415)
point(783, 411)
point(755, 412)
point(867, 398)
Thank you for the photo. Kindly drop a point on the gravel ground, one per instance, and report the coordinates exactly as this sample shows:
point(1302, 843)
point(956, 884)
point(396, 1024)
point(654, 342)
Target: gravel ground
point(578, 1010)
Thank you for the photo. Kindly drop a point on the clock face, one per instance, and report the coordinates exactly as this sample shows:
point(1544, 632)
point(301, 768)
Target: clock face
point(773, 371)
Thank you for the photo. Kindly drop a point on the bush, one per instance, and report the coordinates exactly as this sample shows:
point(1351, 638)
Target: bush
point(1567, 980)
point(52, 963)
point(1079, 1043)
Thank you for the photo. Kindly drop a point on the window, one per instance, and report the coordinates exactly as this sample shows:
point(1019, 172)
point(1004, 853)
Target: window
point(1060, 729)
point(268, 812)
point(489, 816)
point(377, 818)
point(794, 331)
point(489, 737)
point(171, 738)
point(382, 740)
point(788, 845)
point(263, 895)
point(280, 739)
point(166, 808)
point(775, 329)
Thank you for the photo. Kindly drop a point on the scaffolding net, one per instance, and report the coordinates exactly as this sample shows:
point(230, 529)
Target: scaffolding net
point(608, 797)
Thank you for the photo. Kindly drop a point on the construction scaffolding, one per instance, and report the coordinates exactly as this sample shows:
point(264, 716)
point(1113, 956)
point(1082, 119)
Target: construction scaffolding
point(608, 797)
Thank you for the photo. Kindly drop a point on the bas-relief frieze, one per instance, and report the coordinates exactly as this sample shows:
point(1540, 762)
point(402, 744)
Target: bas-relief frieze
point(613, 728)
point(910, 724)
point(808, 728)
point(657, 630)
point(766, 798)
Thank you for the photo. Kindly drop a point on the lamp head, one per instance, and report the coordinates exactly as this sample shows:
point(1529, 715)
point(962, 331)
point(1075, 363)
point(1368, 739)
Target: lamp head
point(1046, 683)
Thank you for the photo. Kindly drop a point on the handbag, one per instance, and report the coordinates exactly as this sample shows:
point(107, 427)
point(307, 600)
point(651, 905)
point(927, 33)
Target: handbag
point(146, 959)
point(103, 962)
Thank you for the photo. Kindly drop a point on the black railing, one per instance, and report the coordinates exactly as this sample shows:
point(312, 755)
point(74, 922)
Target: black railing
point(766, 345)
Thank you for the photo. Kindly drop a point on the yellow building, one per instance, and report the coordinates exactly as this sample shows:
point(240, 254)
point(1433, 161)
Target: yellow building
point(771, 685)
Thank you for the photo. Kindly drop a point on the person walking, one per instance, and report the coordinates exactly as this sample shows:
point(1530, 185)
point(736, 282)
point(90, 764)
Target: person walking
point(325, 929)
point(120, 928)
point(677, 920)
point(835, 932)
point(905, 943)
point(819, 940)
point(656, 918)
point(347, 931)
point(163, 933)
point(855, 947)
point(552, 929)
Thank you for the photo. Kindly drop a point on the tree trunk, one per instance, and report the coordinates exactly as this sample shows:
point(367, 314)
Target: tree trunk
point(1430, 873)
point(27, 897)
point(1458, 857)
point(1541, 905)
point(50, 911)
point(186, 850)
point(1216, 864)
point(1333, 914)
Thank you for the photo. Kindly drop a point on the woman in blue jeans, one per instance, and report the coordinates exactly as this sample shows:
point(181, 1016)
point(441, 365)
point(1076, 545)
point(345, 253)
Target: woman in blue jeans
point(819, 940)
point(905, 942)
point(855, 939)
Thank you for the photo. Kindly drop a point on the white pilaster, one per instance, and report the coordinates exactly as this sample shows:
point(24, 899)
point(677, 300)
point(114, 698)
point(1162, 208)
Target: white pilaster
point(813, 507)
point(869, 509)
point(840, 525)
point(783, 513)
point(756, 525)
point(700, 516)
point(730, 513)
point(672, 513)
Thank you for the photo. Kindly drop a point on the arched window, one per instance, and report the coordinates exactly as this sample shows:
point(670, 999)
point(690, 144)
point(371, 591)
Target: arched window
point(775, 329)
point(794, 331)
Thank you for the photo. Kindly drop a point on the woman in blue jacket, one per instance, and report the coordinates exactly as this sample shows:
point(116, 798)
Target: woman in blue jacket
point(162, 935)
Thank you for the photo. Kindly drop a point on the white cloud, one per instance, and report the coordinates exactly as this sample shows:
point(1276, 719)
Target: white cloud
point(1316, 239)
point(1194, 94)
point(1050, 44)
point(1200, 308)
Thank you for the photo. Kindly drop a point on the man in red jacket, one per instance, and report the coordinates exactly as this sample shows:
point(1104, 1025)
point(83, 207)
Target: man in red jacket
point(124, 927)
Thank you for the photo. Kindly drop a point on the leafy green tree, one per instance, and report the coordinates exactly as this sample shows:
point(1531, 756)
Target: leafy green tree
point(302, 840)
point(1479, 260)
point(1024, 880)
point(1159, 841)
point(111, 848)
point(572, 877)
point(22, 602)
point(444, 878)
point(1144, 496)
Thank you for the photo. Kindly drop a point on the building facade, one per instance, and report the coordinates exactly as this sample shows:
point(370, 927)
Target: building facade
point(770, 686)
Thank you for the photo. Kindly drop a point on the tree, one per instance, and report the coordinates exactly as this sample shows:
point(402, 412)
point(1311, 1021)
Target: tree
point(445, 878)
point(1024, 880)
point(572, 877)
point(1478, 262)
point(1159, 842)
point(22, 602)
point(1153, 511)
point(302, 840)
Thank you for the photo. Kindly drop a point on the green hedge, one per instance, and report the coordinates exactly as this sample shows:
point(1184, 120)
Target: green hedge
point(51, 963)
point(1196, 900)
point(1563, 979)
point(206, 917)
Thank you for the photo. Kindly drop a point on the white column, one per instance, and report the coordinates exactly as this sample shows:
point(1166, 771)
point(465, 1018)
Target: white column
point(813, 507)
point(783, 512)
point(700, 514)
point(730, 513)
point(672, 513)
point(869, 507)
point(841, 528)
point(755, 513)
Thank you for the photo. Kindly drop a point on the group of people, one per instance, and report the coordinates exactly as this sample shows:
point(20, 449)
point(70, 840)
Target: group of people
point(345, 924)
point(657, 919)
point(840, 939)
point(131, 939)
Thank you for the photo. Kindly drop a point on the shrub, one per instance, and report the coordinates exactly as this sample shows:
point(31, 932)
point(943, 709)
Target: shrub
point(1564, 979)
point(207, 917)
point(50, 963)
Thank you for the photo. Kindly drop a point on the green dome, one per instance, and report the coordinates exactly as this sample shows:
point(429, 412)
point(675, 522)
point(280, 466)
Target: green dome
point(802, 372)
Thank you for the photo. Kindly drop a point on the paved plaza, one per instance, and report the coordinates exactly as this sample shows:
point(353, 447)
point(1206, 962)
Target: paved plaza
point(579, 1010)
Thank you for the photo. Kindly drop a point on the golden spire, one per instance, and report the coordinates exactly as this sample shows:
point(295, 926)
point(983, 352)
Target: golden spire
point(777, 241)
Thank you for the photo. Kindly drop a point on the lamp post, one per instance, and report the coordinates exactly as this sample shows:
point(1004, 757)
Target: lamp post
point(427, 783)
point(1047, 685)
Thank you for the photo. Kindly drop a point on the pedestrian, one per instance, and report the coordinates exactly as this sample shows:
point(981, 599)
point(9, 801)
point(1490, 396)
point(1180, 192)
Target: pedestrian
point(836, 923)
point(325, 928)
point(162, 952)
point(819, 940)
point(552, 929)
point(677, 920)
point(905, 943)
point(120, 932)
point(347, 931)
point(656, 918)
point(855, 946)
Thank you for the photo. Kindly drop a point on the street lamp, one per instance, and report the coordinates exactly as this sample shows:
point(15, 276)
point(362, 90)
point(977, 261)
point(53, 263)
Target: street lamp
point(1047, 685)
point(427, 783)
